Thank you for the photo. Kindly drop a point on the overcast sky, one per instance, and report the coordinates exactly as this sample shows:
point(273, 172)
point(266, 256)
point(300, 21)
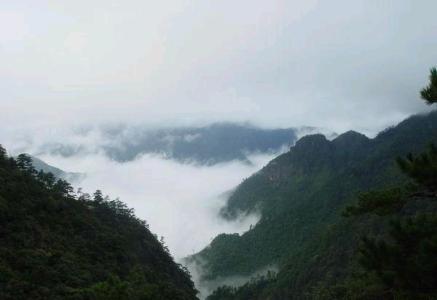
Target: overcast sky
point(338, 64)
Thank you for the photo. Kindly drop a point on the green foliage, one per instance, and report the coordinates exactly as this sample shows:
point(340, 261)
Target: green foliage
point(381, 202)
point(98, 196)
point(403, 262)
point(422, 169)
point(38, 164)
point(58, 245)
point(301, 195)
point(429, 93)
point(24, 162)
point(406, 263)
point(3, 153)
point(252, 290)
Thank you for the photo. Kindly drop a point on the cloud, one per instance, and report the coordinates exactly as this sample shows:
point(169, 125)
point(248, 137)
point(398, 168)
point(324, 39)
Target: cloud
point(180, 201)
point(337, 64)
point(206, 287)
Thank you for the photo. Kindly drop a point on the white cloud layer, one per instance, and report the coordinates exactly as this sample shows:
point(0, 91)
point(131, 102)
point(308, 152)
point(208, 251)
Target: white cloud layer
point(337, 64)
point(180, 201)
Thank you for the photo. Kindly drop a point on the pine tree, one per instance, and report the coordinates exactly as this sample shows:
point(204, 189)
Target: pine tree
point(422, 168)
point(429, 93)
point(404, 260)
point(3, 153)
point(98, 196)
point(24, 162)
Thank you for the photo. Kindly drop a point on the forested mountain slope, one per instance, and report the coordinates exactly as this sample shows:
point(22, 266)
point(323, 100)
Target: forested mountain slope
point(42, 165)
point(56, 245)
point(300, 195)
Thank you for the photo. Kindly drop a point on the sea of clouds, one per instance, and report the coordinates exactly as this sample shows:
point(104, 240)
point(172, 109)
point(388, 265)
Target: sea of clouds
point(180, 201)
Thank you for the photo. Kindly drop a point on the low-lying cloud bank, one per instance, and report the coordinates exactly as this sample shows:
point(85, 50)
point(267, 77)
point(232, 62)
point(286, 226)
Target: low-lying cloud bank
point(208, 144)
point(206, 287)
point(179, 201)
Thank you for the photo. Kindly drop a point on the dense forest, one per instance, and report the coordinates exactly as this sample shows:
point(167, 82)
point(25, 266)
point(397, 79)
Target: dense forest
point(55, 244)
point(341, 219)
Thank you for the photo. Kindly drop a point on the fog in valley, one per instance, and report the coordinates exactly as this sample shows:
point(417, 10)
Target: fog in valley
point(180, 202)
point(83, 83)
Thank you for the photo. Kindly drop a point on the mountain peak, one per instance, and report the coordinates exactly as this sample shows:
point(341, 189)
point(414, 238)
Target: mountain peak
point(311, 141)
point(350, 138)
point(310, 151)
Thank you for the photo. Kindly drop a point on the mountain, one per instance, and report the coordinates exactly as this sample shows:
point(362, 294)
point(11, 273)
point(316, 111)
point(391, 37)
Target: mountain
point(300, 196)
point(58, 245)
point(216, 143)
point(43, 166)
point(206, 145)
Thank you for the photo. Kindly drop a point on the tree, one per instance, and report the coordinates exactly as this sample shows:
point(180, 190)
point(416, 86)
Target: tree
point(404, 261)
point(429, 93)
point(53, 246)
point(24, 162)
point(63, 187)
point(98, 196)
point(422, 168)
point(3, 154)
point(47, 178)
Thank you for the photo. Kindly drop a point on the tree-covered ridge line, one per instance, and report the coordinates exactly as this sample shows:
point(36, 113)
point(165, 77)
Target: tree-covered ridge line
point(39, 164)
point(300, 192)
point(302, 195)
point(396, 255)
point(55, 244)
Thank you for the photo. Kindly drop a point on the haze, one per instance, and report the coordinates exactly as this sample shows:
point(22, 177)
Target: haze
point(336, 64)
point(179, 201)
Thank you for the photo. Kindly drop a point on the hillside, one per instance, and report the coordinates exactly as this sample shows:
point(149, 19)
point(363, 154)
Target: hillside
point(58, 245)
point(300, 195)
point(42, 165)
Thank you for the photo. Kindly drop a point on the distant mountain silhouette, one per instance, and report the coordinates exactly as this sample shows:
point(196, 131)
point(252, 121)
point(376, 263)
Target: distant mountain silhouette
point(42, 165)
point(216, 143)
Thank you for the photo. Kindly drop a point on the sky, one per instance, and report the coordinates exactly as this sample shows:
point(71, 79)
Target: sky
point(335, 64)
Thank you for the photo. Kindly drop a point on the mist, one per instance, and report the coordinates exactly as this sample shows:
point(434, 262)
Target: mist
point(333, 64)
point(179, 201)
point(206, 287)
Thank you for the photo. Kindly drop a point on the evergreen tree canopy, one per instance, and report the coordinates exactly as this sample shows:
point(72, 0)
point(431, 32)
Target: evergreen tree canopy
point(429, 93)
point(56, 245)
point(402, 263)
point(423, 168)
point(301, 195)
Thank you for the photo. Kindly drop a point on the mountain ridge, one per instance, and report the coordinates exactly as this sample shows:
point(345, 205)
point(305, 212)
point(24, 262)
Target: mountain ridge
point(311, 182)
point(208, 145)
